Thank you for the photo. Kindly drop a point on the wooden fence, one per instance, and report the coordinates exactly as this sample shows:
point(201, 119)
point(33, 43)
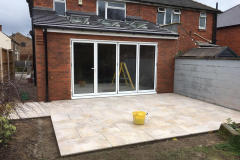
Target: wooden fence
point(22, 63)
point(6, 64)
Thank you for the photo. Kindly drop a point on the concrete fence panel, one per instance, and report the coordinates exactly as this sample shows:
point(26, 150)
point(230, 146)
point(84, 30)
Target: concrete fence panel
point(215, 81)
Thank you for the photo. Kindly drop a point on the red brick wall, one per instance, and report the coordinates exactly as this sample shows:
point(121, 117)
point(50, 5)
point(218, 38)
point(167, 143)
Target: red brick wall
point(229, 36)
point(148, 13)
point(87, 6)
point(59, 60)
point(40, 64)
point(43, 3)
point(190, 22)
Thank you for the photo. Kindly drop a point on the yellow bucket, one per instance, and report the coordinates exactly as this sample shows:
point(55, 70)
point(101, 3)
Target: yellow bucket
point(139, 117)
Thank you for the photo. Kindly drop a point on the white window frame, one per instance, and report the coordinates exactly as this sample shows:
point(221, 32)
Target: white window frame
point(106, 7)
point(60, 1)
point(164, 21)
point(205, 20)
point(176, 13)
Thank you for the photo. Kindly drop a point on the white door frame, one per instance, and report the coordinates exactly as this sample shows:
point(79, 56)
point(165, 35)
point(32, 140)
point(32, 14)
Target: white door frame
point(117, 93)
point(136, 79)
point(106, 93)
point(72, 66)
point(155, 69)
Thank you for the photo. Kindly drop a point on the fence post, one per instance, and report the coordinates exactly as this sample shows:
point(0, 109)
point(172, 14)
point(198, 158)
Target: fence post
point(1, 65)
point(8, 64)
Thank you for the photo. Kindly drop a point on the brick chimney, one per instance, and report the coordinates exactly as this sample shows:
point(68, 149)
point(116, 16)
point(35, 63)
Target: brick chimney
point(0, 28)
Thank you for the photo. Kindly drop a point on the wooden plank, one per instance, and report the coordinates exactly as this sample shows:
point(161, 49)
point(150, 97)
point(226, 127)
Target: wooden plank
point(1, 68)
point(6, 64)
point(11, 62)
point(8, 70)
point(4, 55)
point(10, 55)
point(5, 71)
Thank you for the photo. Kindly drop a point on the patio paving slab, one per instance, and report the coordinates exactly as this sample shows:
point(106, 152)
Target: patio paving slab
point(66, 134)
point(199, 128)
point(85, 115)
point(164, 132)
point(127, 138)
point(129, 125)
point(86, 125)
point(81, 145)
point(70, 124)
point(97, 130)
point(59, 117)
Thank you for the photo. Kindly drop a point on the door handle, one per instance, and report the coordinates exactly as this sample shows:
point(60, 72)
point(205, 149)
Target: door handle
point(92, 68)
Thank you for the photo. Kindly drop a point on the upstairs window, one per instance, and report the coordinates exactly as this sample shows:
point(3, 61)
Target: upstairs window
point(167, 16)
point(202, 21)
point(23, 44)
point(111, 10)
point(60, 6)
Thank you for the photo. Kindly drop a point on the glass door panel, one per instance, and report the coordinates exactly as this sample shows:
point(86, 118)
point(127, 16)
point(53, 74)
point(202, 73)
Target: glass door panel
point(146, 67)
point(127, 67)
point(83, 58)
point(106, 68)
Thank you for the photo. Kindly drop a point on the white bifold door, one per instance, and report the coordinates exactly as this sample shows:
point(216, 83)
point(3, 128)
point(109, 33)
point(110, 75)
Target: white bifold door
point(109, 68)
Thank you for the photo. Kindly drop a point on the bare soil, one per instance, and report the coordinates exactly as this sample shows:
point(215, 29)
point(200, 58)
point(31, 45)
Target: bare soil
point(29, 88)
point(35, 140)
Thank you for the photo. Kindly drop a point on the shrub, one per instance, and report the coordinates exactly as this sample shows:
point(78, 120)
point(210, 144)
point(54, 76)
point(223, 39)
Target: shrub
point(233, 124)
point(6, 130)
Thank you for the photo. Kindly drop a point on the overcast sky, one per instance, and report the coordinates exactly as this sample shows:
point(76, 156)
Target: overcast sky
point(14, 14)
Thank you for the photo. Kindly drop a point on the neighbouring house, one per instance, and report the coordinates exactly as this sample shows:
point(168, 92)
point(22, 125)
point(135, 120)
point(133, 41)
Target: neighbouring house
point(16, 49)
point(92, 48)
point(8, 43)
point(25, 46)
point(228, 29)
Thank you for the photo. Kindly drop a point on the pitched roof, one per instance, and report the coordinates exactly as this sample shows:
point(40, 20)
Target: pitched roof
point(48, 18)
point(18, 33)
point(179, 3)
point(217, 52)
point(230, 17)
point(10, 38)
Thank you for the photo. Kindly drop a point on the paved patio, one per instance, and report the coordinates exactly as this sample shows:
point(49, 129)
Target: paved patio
point(93, 124)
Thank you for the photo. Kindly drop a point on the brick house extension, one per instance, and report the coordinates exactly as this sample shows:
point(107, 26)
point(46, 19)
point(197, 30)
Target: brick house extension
point(228, 29)
point(100, 48)
point(25, 46)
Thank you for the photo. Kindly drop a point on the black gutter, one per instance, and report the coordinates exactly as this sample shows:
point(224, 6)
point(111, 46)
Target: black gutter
point(33, 45)
point(46, 62)
point(101, 30)
point(214, 35)
point(229, 26)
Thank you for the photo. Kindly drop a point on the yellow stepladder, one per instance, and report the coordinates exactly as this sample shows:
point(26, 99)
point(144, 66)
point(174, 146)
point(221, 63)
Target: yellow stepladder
point(122, 66)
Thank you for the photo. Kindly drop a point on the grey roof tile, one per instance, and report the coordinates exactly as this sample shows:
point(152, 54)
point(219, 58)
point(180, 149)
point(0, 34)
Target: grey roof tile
point(230, 17)
point(223, 51)
point(47, 18)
